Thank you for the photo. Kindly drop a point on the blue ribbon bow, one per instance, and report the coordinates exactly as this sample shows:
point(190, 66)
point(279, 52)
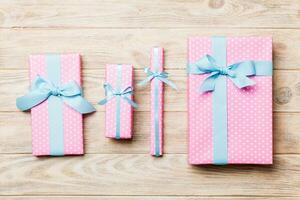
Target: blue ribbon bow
point(216, 81)
point(162, 76)
point(111, 93)
point(42, 89)
point(238, 73)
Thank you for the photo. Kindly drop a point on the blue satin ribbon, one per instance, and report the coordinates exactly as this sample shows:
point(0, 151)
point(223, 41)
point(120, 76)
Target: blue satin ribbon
point(238, 73)
point(111, 93)
point(162, 76)
point(50, 89)
point(55, 107)
point(42, 89)
point(156, 76)
point(216, 82)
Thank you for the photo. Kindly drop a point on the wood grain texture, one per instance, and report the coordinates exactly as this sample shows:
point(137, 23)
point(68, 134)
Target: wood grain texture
point(123, 197)
point(155, 13)
point(144, 175)
point(114, 31)
point(286, 95)
point(18, 137)
point(101, 46)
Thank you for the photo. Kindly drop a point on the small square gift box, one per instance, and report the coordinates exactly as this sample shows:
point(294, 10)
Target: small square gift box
point(119, 101)
point(230, 100)
point(56, 104)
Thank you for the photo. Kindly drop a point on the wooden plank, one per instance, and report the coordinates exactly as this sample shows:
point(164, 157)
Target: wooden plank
point(102, 46)
point(15, 130)
point(129, 174)
point(141, 197)
point(286, 89)
point(155, 13)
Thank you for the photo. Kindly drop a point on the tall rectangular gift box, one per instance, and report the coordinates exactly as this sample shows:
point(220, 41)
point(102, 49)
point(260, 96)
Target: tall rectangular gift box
point(157, 102)
point(56, 127)
point(230, 100)
point(157, 78)
point(119, 112)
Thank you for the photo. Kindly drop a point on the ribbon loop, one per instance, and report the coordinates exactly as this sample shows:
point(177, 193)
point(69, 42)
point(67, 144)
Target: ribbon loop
point(238, 73)
point(110, 93)
point(42, 89)
point(162, 76)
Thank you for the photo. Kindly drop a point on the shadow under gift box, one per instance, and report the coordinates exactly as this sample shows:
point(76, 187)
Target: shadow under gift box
point(246, 136)
point(56, 131)
point(118, 111)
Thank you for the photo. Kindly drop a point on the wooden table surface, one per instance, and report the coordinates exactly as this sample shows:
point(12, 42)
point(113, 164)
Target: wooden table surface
point(123, 31)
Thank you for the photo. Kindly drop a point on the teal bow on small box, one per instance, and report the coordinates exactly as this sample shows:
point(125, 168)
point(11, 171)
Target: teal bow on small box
point(42, 89)
point(111, 93)
point(119, 94)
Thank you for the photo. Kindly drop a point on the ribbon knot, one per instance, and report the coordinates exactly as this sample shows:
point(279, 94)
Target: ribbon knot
point(162, 76)
point(42, 89)
point(238, 73)
point(118, 94)
point(157, 74)
point(56, 91)
point(111, 93)
point(227, 72)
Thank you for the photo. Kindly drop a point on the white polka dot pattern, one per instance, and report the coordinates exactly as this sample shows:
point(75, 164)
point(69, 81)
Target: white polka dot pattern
point(39, 113)
point(126, 109)
point(73, 133)
point(73, 136)
point(249, 110)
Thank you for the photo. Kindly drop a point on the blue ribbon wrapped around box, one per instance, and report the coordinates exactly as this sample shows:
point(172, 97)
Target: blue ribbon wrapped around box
point(118, 102)
point(56, 104)
point(230, 100)
point(157, 77)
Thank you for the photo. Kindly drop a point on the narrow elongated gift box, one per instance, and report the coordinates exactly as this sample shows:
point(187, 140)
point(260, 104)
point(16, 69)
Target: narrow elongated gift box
point(230, 100)
point(118, 101)
point(56, 104)
point(157, 103)
point(157, 77)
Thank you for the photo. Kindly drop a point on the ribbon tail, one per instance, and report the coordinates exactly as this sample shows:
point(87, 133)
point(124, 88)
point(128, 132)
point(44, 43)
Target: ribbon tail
point(79, 104)
point(145, 81)
point(168, 82)
point(209, 83)
point(103, 101)
point(132, 103)
point(30, 100)
point(242, 81)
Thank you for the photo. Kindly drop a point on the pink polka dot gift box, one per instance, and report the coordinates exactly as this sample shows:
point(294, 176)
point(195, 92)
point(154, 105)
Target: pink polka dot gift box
point(56, 104)
point(119, 101)
point(157, 78)
point(157, 102)
point(230, 100)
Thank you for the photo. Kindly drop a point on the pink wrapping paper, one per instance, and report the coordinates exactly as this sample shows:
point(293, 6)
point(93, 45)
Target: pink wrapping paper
point(249, 110)
point(157, 63)
point(124, 80)
point(72, 120)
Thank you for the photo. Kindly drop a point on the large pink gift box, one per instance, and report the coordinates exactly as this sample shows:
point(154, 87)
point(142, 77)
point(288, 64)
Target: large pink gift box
point(71, 140)
point(249, 109)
